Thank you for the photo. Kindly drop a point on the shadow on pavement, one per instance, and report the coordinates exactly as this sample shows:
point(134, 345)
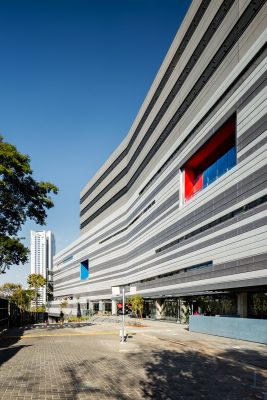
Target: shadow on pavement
point(192, 375)
point(8, 344)
point(80, 384)
point(173, 375)
point(172, 372)
point(110, 379)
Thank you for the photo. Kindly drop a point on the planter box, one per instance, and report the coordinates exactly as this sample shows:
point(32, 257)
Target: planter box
point(253, 330)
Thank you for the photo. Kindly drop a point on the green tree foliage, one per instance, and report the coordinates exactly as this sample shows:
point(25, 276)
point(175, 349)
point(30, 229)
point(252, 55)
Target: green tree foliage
point(41, 308)
point(36, 281)
point(14, 292)
point(22, 298)
point(21, 197)
point(63, 305)
point(137, 303)
point(8, 289)
point(259, 304)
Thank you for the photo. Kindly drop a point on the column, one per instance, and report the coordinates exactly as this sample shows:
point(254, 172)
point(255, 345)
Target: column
point(114, 307)
point(184, 312)
point(101, 306)
point(91, 307)
point(242, 304)
point(160, 308)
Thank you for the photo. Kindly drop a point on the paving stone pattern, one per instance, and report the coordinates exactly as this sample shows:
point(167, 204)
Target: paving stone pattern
point(89, 363)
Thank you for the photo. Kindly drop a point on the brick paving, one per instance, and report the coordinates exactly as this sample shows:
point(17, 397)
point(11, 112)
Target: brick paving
point(159, 361)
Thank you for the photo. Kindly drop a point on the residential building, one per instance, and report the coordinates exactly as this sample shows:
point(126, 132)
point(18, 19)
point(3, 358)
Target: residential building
point(42, 252)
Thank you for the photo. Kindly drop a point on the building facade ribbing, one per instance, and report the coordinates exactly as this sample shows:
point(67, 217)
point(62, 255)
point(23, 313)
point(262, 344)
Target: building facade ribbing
point(179, 209)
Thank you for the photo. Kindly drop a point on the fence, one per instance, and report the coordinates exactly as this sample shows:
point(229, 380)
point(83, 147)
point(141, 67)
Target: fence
point(4, 313)
point(12, 316)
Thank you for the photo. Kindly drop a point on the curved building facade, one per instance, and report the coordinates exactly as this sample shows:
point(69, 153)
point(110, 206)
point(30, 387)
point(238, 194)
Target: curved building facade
point(180, 208)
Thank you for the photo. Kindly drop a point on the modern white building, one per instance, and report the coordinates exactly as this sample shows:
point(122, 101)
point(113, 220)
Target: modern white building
point(179, 210)
point(42, 252)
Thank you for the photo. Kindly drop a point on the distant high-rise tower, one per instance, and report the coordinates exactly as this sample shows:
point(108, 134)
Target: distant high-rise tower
point(42, 252)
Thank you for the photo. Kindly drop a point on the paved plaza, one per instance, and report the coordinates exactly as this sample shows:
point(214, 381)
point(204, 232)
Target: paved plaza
point(158, 361)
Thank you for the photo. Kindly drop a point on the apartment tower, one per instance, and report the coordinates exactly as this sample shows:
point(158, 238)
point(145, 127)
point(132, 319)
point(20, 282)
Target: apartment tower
point(42, 252)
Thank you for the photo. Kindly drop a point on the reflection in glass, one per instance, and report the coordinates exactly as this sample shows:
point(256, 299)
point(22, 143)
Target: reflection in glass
point(219, 167)
point(222, 165)
point(231, 158)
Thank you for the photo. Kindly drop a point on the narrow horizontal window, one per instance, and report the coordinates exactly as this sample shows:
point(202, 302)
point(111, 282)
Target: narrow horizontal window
point(216, 222)
point(67, 259)
point(180, 271)
point(131, 223)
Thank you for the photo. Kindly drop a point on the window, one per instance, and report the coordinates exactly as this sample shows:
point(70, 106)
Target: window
point(67, 259)
point(211, 161)
point(219, 167)
point(216, 222)
point(131, 223)
point(84, 269)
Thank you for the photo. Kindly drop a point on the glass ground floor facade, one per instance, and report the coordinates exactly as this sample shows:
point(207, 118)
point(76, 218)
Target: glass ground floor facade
point(178, 309)
point(249, 304)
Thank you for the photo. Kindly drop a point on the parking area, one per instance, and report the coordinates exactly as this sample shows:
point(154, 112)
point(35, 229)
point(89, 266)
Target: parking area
point(158, 361)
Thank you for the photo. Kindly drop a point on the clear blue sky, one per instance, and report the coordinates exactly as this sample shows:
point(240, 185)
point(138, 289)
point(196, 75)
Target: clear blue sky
point(74, 74)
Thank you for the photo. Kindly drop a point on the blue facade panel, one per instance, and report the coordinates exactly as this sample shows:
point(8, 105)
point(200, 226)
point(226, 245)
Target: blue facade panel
point(84, 269)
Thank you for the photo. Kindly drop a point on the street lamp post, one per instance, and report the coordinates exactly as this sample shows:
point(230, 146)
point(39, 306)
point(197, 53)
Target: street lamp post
point(116, 291)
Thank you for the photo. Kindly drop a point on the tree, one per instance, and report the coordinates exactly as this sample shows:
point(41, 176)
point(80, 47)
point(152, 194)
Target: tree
point(137, 303)
point(8, 289)
point(17, 295)
point(63, 304)
point(259, 301)
point(41, 308)
point(23, 297)
point(36, 281)
point(21, 197)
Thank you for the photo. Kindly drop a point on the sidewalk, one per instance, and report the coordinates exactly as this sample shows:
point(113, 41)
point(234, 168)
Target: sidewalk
point(159, 361)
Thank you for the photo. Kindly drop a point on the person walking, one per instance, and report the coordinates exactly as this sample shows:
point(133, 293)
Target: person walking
point(46, 319)
point(61, 317)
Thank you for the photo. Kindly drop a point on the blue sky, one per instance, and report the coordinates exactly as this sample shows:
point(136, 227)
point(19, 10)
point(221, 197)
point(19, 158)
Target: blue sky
point(74, 74)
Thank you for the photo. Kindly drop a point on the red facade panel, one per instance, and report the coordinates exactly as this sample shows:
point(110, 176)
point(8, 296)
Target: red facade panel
point(210, 152)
